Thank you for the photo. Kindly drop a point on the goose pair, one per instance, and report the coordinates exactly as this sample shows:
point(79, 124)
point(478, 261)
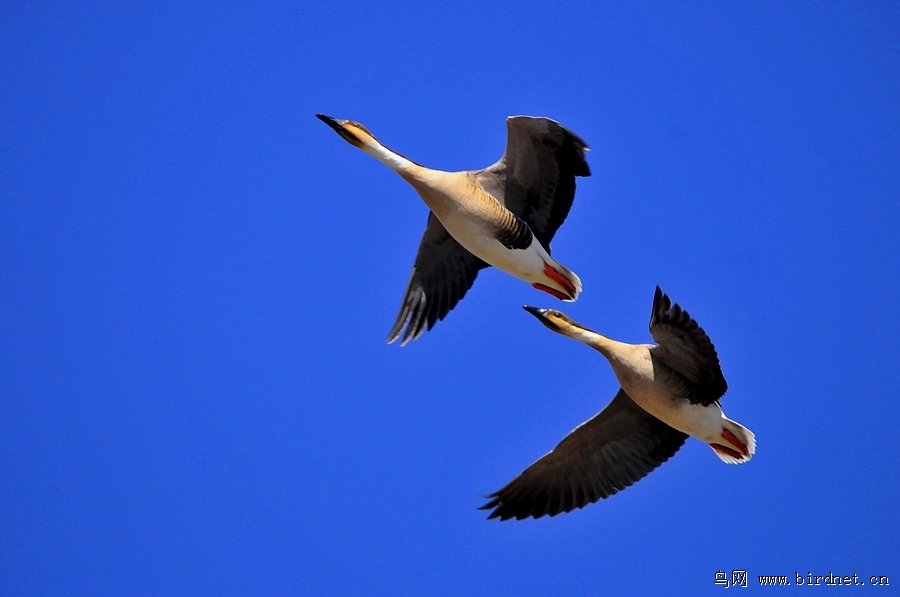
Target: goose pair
point(506, 215)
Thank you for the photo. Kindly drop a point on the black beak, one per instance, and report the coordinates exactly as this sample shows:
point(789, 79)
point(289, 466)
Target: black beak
point(338, 126)
point(541, 315)
point(331, 122)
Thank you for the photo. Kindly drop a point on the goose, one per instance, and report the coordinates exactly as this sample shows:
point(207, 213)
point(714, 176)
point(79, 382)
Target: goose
point(668, 392)
point(504, 215)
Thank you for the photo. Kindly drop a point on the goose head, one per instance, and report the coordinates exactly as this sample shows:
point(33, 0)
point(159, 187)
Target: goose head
point(353, 132)
point(555, 320)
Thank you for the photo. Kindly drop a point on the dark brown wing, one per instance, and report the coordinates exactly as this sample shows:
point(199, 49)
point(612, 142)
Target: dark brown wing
point(685, 348)
point(443, 273)
point(535, 178)
point(602, 456)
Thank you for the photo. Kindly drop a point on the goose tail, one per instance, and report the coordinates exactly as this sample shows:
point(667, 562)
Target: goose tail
point(738, 443)
point(561, 282)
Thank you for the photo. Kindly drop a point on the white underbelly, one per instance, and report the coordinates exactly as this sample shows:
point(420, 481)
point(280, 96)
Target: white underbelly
point(477, 238)
point(702, 422)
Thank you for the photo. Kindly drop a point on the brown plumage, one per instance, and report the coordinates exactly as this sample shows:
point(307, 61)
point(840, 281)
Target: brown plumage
point(485, 217)
point(614, 449)
point(669, 391)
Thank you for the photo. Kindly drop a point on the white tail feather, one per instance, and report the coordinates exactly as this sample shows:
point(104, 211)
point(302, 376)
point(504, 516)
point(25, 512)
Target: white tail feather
point(744, 435)
point(569, 275)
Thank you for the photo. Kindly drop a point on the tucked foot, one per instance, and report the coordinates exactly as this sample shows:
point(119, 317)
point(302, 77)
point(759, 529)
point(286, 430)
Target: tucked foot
point(726, 451)
point(734, 450)
point(570, 292)
point(734, 441)
point(553, 291)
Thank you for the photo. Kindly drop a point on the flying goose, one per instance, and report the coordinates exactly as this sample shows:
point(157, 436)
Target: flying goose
point(504, 215)
point(669, 391)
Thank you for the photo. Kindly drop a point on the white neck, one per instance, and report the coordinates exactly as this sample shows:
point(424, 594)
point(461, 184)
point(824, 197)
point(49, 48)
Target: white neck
point(394, 161)
point(606, 346)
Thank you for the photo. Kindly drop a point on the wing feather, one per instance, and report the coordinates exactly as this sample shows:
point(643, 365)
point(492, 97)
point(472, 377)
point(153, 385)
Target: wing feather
point(684, 347)
point(535, 178)
point(607, 453)
point(443, 273)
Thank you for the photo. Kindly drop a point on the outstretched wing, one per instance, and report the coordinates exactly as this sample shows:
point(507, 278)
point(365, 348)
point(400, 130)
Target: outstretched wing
point(443, 273)
point(602, 456)
point(535, 178)
point(685, 348)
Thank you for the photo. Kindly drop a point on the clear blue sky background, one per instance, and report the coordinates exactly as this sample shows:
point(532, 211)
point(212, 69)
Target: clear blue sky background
point(197, 278)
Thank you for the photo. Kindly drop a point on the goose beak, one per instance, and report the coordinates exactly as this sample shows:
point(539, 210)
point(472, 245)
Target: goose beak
point(542, 316)
point(347, 133)
point(539, 313)
point(336, 125)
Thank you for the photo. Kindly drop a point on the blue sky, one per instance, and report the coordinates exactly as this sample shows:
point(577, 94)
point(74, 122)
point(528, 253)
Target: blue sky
point(197, 277)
